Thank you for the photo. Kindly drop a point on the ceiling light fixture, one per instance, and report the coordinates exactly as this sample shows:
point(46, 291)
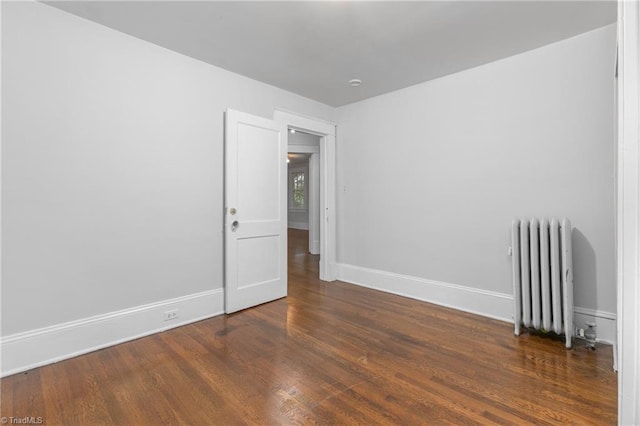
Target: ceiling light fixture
point(355, 82)
point(292, 130)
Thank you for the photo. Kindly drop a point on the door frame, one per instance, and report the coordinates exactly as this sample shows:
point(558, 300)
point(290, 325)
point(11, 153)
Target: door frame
point(628, 213)
point(314, 203)
point(327, 132)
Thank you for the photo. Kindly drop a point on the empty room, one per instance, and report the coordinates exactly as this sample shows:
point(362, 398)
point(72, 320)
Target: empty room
point(320, 212)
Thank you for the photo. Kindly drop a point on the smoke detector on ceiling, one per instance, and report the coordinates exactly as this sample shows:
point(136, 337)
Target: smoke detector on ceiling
point(355, 82)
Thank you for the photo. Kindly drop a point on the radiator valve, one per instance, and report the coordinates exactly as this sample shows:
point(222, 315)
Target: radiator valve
point(590, 335)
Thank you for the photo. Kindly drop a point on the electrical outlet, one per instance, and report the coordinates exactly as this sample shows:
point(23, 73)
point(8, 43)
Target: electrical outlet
point(171, 315)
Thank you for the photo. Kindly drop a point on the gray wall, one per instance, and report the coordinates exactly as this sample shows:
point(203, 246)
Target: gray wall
point(111, 167)
point(430, 177)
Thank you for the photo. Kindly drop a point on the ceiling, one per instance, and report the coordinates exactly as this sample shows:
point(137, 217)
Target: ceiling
point(314, 48)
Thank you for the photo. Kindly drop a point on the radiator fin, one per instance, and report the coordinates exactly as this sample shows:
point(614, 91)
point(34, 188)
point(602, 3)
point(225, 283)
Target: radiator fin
point(542, 275)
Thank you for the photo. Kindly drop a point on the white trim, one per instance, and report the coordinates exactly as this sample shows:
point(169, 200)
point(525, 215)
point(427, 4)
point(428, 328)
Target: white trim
point(35, 348)
point(327, 132)
point(298, 225)
point(605, 323)
point(628, 213)
point(303, 149)
point(476, 301)
point(486, 303)
point(595, 313)
point(1, 186)
point(314, 204)
point(314, 246)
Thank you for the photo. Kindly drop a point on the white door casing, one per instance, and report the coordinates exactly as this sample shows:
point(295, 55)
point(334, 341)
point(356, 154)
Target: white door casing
point(628, 213)
point(327, 133)
point(314, 203)
point(255, 228)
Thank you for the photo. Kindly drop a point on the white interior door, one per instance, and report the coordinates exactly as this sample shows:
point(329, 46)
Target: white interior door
point(255, 211)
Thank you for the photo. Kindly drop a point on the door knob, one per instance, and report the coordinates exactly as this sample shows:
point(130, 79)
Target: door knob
point(234, 225)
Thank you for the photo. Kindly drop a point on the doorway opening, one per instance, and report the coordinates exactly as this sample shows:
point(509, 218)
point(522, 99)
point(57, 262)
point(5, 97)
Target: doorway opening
point(303, 187)
point(303, 200)
point(315, 143)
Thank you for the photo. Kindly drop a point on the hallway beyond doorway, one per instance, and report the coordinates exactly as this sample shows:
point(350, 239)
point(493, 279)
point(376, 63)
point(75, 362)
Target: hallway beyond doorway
point(301, 262)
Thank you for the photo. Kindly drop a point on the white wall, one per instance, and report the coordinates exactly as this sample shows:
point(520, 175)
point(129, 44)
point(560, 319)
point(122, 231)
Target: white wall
point(112, 178)
point(430, 177)
point(112, 173)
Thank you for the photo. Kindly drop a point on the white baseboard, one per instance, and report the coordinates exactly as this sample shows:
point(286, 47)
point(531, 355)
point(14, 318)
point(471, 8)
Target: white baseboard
point(31, 349)
point(298, 225)
point(315, 247)
point(468, 299)
point(482, 302)
point(605, 323)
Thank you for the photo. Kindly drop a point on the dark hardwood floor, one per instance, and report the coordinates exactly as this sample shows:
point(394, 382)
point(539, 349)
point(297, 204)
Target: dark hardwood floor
point(330, 353)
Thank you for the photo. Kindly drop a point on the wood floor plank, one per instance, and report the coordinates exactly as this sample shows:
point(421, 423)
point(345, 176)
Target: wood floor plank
point(329, 353)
